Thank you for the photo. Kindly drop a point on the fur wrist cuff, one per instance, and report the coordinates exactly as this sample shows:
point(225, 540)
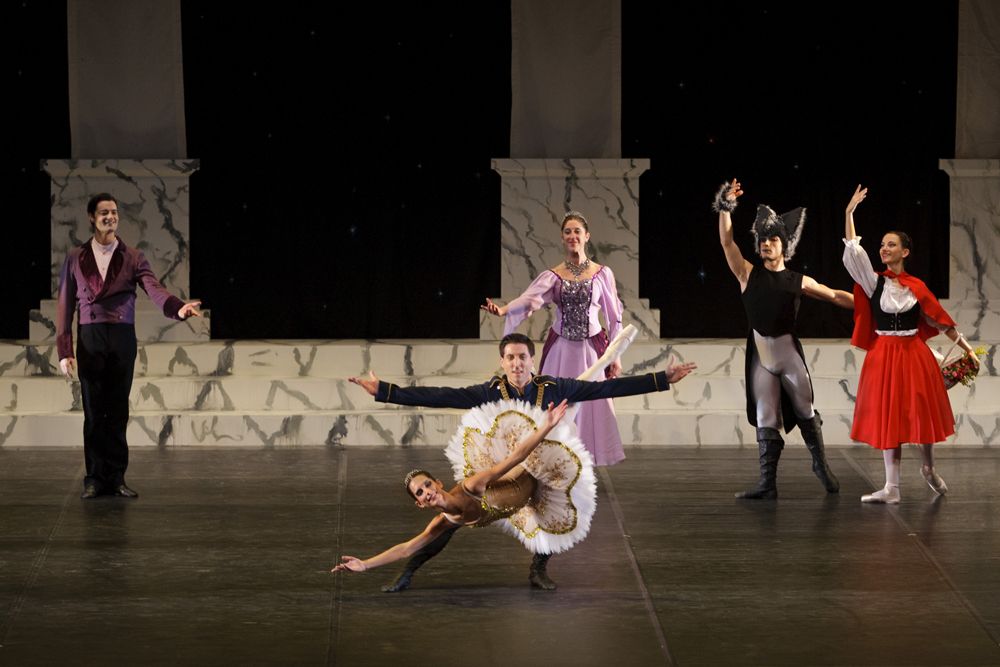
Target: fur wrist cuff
point(721, 203)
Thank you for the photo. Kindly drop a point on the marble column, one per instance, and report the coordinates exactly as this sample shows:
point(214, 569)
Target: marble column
point(974, 289)
point(975, 176)
point(535, 194)
point(154, 204)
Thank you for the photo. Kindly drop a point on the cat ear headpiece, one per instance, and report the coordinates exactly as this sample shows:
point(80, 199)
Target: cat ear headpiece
point(787, 227)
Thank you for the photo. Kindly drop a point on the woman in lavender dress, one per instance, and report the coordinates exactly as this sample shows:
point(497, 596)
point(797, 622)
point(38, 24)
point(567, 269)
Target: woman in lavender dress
point(580, 289)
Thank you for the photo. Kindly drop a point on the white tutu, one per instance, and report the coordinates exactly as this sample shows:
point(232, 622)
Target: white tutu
point(559, 513)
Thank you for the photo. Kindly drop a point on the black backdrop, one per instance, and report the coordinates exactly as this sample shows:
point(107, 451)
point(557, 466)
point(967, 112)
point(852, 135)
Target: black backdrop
point(345, 188)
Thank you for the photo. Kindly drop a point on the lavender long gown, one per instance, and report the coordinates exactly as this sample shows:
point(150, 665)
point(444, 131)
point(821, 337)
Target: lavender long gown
point(575, 346)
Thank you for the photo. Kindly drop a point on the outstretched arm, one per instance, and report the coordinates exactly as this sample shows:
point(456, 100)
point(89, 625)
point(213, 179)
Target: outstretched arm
point(819, 291)
point(725, 202)
point(477, 483)
point(435, 528)
point(540, 292)
point(576, 391)
point(434, 397)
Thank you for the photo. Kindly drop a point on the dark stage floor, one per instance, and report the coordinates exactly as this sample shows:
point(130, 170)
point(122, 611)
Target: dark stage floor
point(224, 560)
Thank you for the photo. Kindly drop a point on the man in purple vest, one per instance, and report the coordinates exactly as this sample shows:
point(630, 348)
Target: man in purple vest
point(101, 276)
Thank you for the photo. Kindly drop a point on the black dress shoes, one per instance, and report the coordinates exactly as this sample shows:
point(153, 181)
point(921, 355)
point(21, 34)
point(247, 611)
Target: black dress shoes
point(122, 491)
point(92, 490)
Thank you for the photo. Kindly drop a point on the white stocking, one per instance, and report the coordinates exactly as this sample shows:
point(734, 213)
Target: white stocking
point(892, 458)
point(890, 493)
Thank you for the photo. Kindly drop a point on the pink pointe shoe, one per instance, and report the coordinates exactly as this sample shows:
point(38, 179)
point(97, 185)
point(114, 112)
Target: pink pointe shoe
point(934, 480)
point(887, 496)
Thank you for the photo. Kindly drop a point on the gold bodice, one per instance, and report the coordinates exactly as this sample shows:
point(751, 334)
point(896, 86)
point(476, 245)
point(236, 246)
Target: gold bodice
point(504, 497)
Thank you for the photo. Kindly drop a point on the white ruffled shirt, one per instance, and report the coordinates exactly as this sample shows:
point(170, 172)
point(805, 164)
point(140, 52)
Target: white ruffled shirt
point(895, 298)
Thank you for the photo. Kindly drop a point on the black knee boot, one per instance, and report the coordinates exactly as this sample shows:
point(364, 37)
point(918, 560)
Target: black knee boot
point(812, 433)
point(402, 582)
point(769, 444)
point(538, 577)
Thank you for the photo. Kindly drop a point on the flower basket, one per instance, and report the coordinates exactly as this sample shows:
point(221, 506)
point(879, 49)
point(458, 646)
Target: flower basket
point(962, 370)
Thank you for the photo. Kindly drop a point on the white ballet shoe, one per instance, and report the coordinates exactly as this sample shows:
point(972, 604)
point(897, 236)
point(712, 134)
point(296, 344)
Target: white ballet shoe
point(889, 495)
point(934, 480)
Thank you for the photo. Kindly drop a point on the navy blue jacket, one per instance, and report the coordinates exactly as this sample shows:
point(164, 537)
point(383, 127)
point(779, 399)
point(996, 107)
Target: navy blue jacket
point(542, 390)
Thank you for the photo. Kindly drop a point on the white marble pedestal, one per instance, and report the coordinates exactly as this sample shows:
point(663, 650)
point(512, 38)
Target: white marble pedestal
point(535, 195)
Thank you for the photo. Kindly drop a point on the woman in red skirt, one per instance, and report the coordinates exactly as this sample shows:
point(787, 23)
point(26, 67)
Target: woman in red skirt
point(901, 393)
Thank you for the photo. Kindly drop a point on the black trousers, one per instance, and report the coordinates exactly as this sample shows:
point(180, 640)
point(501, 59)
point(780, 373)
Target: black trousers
point(105, 356)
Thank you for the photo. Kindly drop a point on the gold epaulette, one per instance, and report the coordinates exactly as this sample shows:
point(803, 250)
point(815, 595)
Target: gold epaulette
point(542, 381)
point(501, 384)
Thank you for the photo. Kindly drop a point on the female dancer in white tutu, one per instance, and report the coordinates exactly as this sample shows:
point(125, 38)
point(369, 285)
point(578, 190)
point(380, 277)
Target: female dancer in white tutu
point(480, 499)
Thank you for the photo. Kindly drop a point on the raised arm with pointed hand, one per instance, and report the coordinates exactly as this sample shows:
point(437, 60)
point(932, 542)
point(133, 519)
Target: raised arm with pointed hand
point(737, 264)
point(475, 484)
point(858, 197)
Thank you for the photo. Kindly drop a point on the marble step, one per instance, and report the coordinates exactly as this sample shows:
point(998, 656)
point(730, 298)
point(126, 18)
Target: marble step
point(150, 324)
point(405, 358)
point(699, 392)
point(420, 428)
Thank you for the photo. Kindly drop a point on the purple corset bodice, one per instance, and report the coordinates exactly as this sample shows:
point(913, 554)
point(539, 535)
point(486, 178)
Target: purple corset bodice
point(574, 303)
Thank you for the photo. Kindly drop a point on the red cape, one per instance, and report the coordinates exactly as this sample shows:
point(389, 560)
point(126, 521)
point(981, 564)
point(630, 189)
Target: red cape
point(864, 324)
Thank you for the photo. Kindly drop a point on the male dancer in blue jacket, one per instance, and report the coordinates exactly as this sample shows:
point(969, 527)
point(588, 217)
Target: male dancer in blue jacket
point(517, 382)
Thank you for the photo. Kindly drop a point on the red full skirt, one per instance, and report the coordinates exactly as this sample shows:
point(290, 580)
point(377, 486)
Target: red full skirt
point(901, 396)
